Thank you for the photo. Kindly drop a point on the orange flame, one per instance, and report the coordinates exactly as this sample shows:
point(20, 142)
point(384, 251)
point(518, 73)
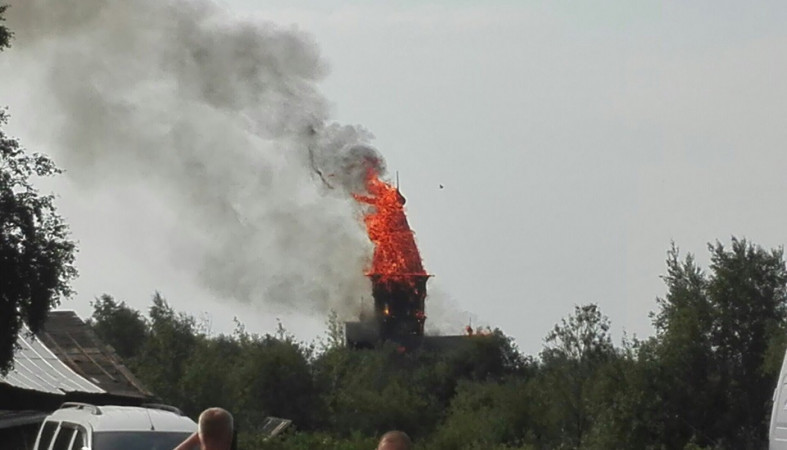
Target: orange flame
point(396, 255)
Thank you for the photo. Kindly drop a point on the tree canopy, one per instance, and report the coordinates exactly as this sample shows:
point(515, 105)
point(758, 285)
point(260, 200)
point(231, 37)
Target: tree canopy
point(5, 33)
point(704, 380)
point(36, 256)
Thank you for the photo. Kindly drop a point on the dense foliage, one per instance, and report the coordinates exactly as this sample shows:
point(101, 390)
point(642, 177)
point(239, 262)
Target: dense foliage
point(36, 256)
point(704, 379)
point(5, 33)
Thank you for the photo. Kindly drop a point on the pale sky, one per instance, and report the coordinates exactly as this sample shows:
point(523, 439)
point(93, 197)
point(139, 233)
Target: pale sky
point(573, 143)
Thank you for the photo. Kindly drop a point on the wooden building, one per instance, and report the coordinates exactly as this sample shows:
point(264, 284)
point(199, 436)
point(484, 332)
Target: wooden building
point(65, 362)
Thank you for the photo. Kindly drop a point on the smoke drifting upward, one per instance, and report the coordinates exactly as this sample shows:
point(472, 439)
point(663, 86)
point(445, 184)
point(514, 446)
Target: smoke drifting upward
point(222, 119)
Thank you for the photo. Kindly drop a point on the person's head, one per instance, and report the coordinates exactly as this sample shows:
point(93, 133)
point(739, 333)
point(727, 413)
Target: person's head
point(215, 429)
point(395, 440)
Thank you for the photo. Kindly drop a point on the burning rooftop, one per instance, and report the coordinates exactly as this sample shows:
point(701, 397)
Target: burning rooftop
point(396, 256)
point(397, 273)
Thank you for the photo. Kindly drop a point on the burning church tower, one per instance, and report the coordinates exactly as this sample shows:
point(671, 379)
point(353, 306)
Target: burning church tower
point(397, 273)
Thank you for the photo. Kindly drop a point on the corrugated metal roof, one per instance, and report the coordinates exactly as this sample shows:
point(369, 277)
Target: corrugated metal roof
point(37, 368)
point(78, 346)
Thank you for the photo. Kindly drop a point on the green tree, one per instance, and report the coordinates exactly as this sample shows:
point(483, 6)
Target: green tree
point(36, 255)
point(489, 356)
point(119, 325)
point(162, 360)
point(208, 376)
point(630, 407)
point(749, 294)
point(272, 376)
point(5, 33)
point(684, 375)
point(716, 334)
point(576, 350)
point(372, 391)
point(490, 414)
point(334, 333)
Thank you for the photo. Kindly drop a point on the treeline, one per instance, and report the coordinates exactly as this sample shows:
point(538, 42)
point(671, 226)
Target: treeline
point(704, 380)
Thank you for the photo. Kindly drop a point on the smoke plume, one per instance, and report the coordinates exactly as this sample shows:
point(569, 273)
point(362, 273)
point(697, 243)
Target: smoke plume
point(222, 119)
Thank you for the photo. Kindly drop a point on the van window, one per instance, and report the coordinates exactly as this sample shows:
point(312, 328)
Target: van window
point(139, 440)
point(47, 432)
point(79, 440)
point(63, 439)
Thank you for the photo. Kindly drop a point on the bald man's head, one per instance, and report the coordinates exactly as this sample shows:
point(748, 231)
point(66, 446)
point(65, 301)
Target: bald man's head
point(395, 440)
point(215, 429)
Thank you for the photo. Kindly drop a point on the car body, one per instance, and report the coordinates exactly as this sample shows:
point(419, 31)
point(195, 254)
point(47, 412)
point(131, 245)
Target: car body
point(777, 434)
point(78, 426)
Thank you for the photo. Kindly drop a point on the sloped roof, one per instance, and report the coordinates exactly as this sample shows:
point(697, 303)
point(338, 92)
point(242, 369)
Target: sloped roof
point(273, 426)
point(36, 368)
point(75, 343)
point(10, 419)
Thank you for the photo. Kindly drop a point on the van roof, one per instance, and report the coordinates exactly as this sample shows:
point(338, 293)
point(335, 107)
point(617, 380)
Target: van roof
point(126, 418)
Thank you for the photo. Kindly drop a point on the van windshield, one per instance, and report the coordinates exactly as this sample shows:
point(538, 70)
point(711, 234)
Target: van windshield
point(138, 440)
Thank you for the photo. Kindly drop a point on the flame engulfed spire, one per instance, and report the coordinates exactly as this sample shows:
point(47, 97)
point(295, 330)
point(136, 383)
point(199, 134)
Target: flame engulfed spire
point(397, 275)
point(396, 256)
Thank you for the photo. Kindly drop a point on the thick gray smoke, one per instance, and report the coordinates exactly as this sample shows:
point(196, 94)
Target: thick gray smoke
point(222, 119)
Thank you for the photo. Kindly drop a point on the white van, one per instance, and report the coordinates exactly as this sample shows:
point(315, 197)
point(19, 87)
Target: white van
point(80, 426)
point(777, 434)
